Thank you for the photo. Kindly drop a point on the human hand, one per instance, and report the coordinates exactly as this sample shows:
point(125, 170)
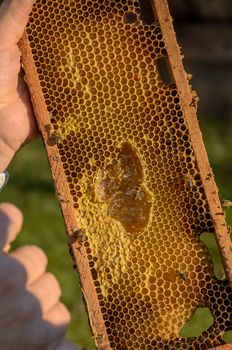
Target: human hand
point(31, 315)
point(16, 112)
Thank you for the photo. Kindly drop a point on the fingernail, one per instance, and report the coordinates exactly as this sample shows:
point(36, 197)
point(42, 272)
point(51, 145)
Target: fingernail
point(4, 177)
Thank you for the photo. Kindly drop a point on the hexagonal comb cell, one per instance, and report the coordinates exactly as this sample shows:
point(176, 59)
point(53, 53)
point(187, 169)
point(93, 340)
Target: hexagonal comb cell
point(130, 173)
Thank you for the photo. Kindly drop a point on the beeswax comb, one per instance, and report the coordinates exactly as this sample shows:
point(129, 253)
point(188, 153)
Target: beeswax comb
point(130, 170)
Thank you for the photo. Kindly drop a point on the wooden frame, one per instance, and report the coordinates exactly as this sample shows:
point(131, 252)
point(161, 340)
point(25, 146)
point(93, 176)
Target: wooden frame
point(188, 105)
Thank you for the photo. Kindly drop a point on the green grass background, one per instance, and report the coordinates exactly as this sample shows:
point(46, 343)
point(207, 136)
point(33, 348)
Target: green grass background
point(30, 187)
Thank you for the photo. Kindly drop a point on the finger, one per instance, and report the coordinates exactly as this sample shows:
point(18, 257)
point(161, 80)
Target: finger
point(51, 329)
point(11, 220)
point(58, 319)
point(6, 248)
point(58, 316)
point(16, 117)
point(47, 290)
point(13, 276)
point(15, 131)
point(66, 345)
point(13, 20)
point(34, 261)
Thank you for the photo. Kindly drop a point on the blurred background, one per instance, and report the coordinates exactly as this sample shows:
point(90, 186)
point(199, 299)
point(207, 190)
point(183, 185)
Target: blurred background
point(204, 32)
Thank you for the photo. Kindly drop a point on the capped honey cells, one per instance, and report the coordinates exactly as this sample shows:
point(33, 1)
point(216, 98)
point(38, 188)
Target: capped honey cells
point(131, 171)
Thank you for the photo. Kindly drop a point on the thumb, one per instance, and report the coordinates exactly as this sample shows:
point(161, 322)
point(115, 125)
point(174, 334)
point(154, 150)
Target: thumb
point(11, 220)
point(13, 20)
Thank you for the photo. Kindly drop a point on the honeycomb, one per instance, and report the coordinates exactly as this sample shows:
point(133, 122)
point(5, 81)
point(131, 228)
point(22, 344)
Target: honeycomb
point(131, 172)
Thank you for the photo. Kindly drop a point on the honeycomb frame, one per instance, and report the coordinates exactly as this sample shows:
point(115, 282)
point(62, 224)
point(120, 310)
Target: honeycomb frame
point(66, 201)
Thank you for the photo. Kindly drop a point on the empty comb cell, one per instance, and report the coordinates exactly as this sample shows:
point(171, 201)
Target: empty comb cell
point(118, 119)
